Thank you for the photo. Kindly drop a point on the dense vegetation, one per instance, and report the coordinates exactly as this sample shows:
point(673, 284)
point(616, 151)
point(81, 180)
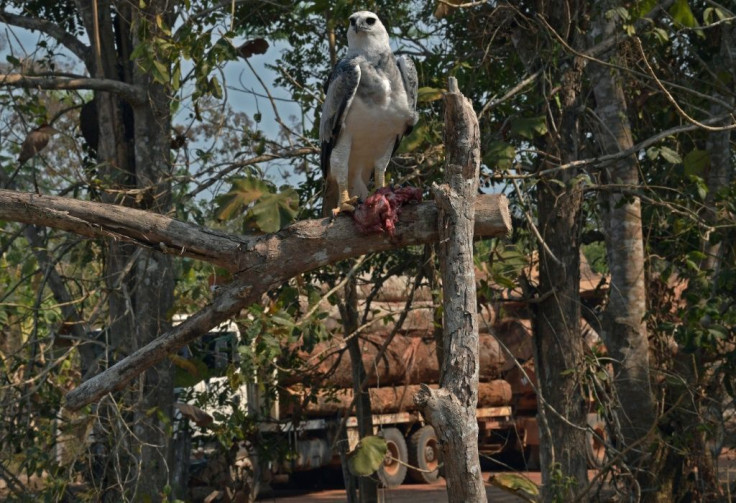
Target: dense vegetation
point(608, 125)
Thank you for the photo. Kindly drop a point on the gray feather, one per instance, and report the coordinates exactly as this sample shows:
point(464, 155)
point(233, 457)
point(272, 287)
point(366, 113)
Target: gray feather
point(410, 78)
point(341, 88)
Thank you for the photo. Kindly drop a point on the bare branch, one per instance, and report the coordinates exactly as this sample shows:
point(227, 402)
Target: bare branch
point(600, 160)
point(302, 246)
point(134, 95)
point(51, 29)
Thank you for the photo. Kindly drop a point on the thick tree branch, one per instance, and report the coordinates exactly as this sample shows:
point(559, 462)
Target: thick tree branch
point(260, 263)
point(51, 29)
point(303, 246)
point(134, 95)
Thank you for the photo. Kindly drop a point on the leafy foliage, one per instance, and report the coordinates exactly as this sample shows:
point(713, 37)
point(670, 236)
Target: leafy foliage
point(368, 456)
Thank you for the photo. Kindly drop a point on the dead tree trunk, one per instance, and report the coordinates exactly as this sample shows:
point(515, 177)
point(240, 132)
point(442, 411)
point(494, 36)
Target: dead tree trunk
point(451, 409)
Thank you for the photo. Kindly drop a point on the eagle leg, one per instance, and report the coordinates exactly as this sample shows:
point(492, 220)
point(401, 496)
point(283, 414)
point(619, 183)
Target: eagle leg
point(345, 203)
point(379, 167)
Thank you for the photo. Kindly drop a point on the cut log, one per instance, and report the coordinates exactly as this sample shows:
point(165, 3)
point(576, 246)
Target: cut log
point(523, 382)
point(383, 400)
point(382, 314)
point(407, 360)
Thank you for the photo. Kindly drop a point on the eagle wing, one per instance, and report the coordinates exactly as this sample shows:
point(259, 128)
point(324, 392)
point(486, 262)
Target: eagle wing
point(341, 88)
point(410, 79)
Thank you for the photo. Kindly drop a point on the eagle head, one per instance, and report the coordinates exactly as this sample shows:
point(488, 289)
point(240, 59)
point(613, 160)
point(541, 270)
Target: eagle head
point(366, 29)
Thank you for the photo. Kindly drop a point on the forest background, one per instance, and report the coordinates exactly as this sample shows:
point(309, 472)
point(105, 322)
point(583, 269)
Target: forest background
point(607, 124)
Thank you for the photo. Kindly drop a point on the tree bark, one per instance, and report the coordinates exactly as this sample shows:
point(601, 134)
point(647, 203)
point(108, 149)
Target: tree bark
point(451, 409)
point(270, 259)
point(154, 273)
point(367, 487)
point(559, 346)
point(623, 329)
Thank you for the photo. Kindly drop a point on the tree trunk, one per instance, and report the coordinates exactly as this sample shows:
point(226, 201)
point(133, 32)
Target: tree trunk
point(367, 487)
point(133, 153)
point(720, 154)
point(451, 409)
point(623, 328)
point(154, 275)
point(559, 348)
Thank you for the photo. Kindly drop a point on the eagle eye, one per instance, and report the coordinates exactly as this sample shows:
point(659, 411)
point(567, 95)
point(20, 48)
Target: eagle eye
point(371, 21)
point(352, 21)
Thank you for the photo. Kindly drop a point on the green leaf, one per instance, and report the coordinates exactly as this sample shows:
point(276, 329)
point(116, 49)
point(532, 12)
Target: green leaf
point(160, 72)
point(696, 162)
point(683, 15)
point(516, 484)
point(661, 35)
point(275, 211)
point(243, 192)
point(670, 155)
point(367, 456)
point(427, 94)
point(499, 154)
point(188, 371)
point(504, 281)
point(642, 8)
point(416, 138)
point(710, 13)
point(529, 127)
point(215, 89)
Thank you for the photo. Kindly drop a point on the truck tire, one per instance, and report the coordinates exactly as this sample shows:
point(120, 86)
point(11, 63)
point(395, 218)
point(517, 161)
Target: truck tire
point(244, 480)
point(393, 470)
point(595, 441)
point(424, 454)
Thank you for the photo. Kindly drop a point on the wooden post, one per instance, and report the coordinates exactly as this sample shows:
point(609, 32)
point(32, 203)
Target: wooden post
point(451, 409)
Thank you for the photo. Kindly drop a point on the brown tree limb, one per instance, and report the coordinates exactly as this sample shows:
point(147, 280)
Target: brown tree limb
point(303, 246)
point(133, 94)
point(259, 263)
point(49, 28)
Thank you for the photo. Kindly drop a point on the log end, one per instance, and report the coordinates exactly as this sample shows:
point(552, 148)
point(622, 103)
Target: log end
point(492, 215)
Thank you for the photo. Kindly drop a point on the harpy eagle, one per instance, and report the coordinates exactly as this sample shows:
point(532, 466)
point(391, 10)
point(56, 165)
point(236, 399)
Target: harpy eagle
point(370, 104)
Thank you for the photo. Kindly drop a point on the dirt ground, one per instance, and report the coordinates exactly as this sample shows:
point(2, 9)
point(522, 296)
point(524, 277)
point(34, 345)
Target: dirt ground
point(407, 493)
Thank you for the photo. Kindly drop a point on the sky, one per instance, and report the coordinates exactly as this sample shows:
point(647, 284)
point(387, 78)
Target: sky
point(245, 92)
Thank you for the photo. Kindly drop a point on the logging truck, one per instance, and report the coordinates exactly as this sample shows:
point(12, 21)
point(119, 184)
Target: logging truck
point(413, 451)
point(506, 412)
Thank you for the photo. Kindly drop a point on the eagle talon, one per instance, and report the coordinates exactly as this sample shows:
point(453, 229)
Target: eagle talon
point(345, 207)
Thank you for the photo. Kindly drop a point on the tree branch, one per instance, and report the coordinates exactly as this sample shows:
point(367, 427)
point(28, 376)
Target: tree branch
point(53, 30)
point(304, 245)
point(133, 94)
point(260, 263)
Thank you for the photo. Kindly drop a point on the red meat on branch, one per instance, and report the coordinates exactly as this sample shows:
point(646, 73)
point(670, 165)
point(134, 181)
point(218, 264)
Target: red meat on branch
point(380, 212)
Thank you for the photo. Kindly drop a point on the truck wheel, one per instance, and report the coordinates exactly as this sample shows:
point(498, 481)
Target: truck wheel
point(595, 441)
point(244, 480)
point(393, 471)
point(424, 453)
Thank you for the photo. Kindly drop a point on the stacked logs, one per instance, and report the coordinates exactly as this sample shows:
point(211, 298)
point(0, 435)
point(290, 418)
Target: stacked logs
point(506, 352)
point(396, 370)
